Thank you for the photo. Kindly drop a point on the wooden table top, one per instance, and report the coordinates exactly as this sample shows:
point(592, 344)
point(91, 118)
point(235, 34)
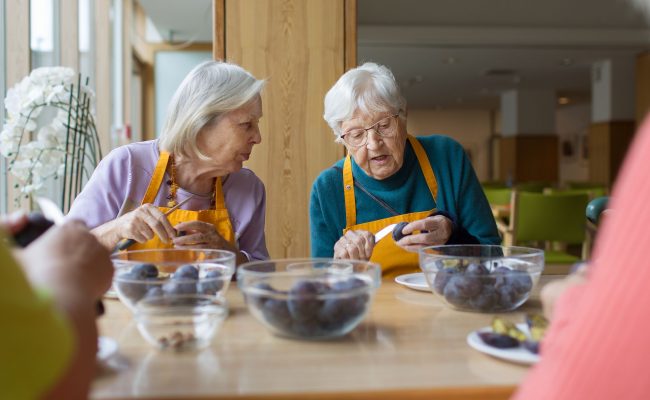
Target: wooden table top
point(410, 345)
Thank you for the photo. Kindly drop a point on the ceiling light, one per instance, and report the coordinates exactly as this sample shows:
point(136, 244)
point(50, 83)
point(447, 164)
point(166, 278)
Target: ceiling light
point(566, 61)
point(563, 100)
point(449, 60)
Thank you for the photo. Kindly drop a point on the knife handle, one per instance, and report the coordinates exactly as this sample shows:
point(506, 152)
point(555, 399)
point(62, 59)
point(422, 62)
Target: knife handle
point(123, 245)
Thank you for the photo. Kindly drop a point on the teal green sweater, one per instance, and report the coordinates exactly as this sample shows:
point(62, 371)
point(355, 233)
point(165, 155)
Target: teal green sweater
point(460, 196)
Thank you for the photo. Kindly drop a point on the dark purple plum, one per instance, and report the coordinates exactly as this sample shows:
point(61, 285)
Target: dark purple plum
point(303, 299)
point(186, 272)
point(210, 284)
point(144, 271)
point(134, 291)
point(397, 231)
point(531, 346)
point(499, 341)
point(180, 287)
point(276, 313)
point(485, 300)
point(36, 225)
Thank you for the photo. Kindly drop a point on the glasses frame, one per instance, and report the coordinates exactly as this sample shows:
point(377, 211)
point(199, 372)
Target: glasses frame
point(373, 127)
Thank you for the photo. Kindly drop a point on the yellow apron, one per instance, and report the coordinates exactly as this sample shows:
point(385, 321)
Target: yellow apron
point(393, 259)
point(218, 217)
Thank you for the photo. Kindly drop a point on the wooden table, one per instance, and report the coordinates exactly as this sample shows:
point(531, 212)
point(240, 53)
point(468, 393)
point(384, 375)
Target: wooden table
point(410, 345)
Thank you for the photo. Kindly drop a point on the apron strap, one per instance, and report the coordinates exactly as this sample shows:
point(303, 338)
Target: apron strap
point(156, 178)
point(348, 191)
point(425, 165)
point(219, 200)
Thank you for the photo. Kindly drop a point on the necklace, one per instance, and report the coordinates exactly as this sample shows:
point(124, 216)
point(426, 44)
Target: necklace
point(173, 187)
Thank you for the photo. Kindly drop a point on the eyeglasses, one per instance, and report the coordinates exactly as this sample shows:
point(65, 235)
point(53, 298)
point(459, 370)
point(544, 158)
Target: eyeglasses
point(357, 137)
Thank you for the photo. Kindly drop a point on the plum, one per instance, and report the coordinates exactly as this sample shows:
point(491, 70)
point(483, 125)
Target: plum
point(397, 231)
point(144, 271)
point(276, 313)
point(210, 284)
point(303, 299)
point(186, 272)
point(499, 341)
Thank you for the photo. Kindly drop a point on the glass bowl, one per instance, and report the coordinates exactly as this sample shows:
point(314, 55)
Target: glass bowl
point(180, 322)
point(482, 278)
point(145, 274)
point(309, 298)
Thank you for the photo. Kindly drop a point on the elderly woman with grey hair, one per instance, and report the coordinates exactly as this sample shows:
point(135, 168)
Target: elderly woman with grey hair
point(212, 125)
point(425, 185)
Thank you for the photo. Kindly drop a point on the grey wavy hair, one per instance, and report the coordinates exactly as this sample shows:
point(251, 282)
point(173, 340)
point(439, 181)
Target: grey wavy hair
point(209, 91)
point(368, 88)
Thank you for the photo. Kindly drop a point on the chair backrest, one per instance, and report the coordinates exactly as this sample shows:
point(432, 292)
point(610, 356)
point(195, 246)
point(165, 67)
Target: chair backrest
point(498, 196)
point(532, 186)
point(549, 217)
point(592, 192)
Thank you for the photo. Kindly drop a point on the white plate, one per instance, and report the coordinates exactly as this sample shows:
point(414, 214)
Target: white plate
point(414, 281)
point(517, 355)
point(106, 347)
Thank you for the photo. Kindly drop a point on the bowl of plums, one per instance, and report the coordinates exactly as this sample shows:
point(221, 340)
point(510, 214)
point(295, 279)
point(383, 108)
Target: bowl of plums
point(145, 274)
point(309, 298)
point(176, 294)
point(482, 278)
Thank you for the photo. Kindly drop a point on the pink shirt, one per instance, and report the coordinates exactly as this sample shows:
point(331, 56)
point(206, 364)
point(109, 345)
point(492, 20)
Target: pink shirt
point(598, 346)
point(120, 181)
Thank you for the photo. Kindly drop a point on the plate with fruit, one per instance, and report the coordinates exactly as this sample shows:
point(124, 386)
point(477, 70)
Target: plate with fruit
point(517, 343)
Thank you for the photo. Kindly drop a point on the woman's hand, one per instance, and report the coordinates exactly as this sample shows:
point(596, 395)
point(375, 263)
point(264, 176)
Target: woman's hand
point(140, 225)
point(355, 245)
point(434, 230)
point(199, 234)
point(14, 222)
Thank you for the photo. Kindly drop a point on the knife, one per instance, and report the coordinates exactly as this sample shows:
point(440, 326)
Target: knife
point(126, 243)
point(382, 233)
point(53, 213)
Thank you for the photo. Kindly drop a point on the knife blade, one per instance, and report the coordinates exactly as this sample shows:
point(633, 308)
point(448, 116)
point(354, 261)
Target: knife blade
point(385, 231)
point(50, 210)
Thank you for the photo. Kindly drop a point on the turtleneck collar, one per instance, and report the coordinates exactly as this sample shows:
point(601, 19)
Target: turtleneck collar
point(394, 181)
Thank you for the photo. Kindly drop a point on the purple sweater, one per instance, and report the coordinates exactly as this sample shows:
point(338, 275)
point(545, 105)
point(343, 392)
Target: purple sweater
point(120, 181)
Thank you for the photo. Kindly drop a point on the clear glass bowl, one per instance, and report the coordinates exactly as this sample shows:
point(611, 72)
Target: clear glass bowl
point(180, 322)
point(145, 274)
point(482, 278)
point(309, 298)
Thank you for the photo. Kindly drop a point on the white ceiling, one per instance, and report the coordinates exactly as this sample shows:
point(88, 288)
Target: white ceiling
point(440, 50)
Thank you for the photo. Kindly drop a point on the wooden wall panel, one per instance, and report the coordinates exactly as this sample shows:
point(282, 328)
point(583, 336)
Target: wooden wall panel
point(102, 76)
point(299, 47)
point(642, 86)
point(529, 158)
point(608, 144)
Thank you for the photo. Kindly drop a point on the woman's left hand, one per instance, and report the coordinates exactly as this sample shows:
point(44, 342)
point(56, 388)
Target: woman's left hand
point(434, 231)
point(199, 234)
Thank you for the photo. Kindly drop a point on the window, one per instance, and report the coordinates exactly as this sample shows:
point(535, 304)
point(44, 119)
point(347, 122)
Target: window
point(44, 33)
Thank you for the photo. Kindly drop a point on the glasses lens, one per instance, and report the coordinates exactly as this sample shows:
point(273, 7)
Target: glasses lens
point(355, 137)
point(386, 127)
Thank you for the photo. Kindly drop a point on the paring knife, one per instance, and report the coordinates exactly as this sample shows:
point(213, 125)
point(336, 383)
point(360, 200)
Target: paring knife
point(52, 212)
point(126, 243)
point(386, 231)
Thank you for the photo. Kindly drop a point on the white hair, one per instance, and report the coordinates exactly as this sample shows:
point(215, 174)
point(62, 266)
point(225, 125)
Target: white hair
point(210, 90)
point(368, 88)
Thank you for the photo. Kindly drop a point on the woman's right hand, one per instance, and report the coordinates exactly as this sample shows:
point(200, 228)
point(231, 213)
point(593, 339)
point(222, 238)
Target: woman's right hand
point(355, 245)
point(140, 225)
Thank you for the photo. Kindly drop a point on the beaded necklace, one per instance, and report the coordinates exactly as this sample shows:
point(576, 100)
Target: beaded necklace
point(173, 186)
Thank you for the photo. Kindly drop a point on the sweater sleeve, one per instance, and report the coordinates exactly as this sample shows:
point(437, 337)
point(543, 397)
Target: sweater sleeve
point(323, 217)
point(597, 345)
point(103, 196)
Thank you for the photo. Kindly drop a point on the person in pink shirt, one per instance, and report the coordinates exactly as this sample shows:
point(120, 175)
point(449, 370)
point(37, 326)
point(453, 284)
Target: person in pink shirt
point(598, 346)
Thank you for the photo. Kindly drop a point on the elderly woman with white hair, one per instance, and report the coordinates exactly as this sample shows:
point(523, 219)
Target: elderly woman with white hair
point(212, 125)
point(425, 185)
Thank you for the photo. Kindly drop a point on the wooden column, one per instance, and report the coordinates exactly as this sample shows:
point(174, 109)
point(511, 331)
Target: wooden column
point(608, 144)
point(529, 158)
point(16, 68)
point(302, 48)
point(69, 26)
